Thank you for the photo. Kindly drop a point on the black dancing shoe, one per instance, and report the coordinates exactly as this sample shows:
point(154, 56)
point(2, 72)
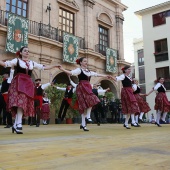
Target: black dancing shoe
point(16, 131)
point(19, 128)
point(140, 120)
point(98, 123)
point(126, 126)
point(162, 122)
point(81, 127)
point(138, 125)
point(85, 129)
point(88, 120)
point(158, 124)
point(37, 125)
point(135, 125)
point(8, 126)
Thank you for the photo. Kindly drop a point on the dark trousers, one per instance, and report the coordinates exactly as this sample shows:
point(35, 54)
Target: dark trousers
point(96, 113)
point(6, 116)
point(63, 109)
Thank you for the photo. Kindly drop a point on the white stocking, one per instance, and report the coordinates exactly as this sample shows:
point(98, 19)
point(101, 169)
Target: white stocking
point(127, 119)
point(164, 116)
point(136, 118)
point(16, 119)
point(88, 112)
point(83, 122)
point(133, 118)
point(158, 115)
point(141, 115)
point(19, 119)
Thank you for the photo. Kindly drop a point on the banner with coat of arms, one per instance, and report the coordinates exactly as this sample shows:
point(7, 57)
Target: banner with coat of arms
point(17, 33)
point(111, 60)
point(70, 48)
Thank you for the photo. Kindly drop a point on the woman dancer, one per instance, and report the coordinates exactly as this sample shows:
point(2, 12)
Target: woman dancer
point(86, 98)
point(162, 105)
point(143, 106)
point(45, 111)
point(21, 91)
point(129, 102)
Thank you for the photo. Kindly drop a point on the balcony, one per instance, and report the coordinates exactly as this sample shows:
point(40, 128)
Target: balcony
point(100, 49)
point(40, 29)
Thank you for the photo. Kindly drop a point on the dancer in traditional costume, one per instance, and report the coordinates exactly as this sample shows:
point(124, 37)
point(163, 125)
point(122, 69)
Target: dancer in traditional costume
point(7, 78)
point(21, 91)
point(162, 105)
point(85, 97)
point(129, 102)
point(69, 90)
point(143, 105)
point(45, 111)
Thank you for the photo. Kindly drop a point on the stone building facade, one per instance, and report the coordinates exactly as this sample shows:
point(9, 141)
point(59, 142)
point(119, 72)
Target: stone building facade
point(97, 23)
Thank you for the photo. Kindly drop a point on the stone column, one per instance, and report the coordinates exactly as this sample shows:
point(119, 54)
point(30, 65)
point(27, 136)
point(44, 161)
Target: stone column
point(88, 19)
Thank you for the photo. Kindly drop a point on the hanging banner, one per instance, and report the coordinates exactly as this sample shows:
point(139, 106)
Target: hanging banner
point(111, 60)
point(17, 33)
point(70, 48)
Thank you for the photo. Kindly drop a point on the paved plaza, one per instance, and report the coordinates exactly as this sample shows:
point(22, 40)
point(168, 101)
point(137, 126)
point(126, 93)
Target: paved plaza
point(105, 147)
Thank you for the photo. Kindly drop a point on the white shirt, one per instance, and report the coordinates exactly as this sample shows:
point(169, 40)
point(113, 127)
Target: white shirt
point(32, 64)
point(77, 71)
point(134, 86)
point(47, 100)
point(44, 86)
point(122, 77)
point(64, 89)
point(159, 85)
point(10, 76)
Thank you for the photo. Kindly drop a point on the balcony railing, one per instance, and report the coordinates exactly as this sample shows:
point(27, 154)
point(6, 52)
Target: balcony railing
point(40, 29)
point(100, 49)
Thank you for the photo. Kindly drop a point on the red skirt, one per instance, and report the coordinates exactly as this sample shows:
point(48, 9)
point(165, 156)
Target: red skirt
point(45, 111)
point(129, 102)
point(143, 105)
point(5, 96)
point(85, 97)
point(162, 103)
point(21, 94)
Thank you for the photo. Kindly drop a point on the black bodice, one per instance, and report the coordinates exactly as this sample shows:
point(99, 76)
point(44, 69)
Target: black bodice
point(137, 90)
point(45, 101)
point(82, 76)
point(95, 91)
point(161, 89)
point(22, 70)
point(38, 91)
point(127, 82)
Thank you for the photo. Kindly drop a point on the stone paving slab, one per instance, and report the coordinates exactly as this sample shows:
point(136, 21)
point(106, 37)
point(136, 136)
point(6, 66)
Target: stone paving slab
point(105, 147)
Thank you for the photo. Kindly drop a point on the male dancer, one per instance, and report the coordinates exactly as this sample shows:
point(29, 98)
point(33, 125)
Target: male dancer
point(7, 78)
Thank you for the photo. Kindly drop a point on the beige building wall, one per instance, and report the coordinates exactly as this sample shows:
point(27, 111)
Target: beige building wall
point(151, 34)
point(89, 15)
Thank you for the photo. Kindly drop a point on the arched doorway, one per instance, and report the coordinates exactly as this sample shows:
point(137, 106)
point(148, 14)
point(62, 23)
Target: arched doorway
point(62, 78)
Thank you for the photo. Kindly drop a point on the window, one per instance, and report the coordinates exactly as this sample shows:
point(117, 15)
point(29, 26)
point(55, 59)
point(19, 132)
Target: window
point(143, 90)
point(140, 57)
point(159, 19)
point(103, 39)
point(164, 72)
point(66, 21)
point(18, 7)
point(161, 50)
point(141, 75)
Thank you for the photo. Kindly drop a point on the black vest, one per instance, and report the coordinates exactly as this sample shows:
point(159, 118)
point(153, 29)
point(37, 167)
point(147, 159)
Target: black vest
point(5, 86)
point(38, 91)
point(95, 91)
point(68, 94)
point(127, 82)
point(161, 89)
point(45, 101)
point(82, 76)
point(22, 70)
point(137, 90)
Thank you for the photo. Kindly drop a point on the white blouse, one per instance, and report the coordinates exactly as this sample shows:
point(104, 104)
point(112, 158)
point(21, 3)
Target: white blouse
point(134, 86)
point(122, 77)
point(32, 64)
point(159, 85)
point(77, 71)
point(47, 100)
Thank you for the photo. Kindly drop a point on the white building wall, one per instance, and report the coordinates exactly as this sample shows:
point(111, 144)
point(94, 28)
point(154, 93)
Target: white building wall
point(151, 34)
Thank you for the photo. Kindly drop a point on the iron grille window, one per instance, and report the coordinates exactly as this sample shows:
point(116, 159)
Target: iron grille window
point(19, 7)
point(103, 39)
point(66, 21)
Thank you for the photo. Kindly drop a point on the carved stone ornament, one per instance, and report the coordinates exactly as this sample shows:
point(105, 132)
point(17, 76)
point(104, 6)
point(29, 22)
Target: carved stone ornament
point(89, 3)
